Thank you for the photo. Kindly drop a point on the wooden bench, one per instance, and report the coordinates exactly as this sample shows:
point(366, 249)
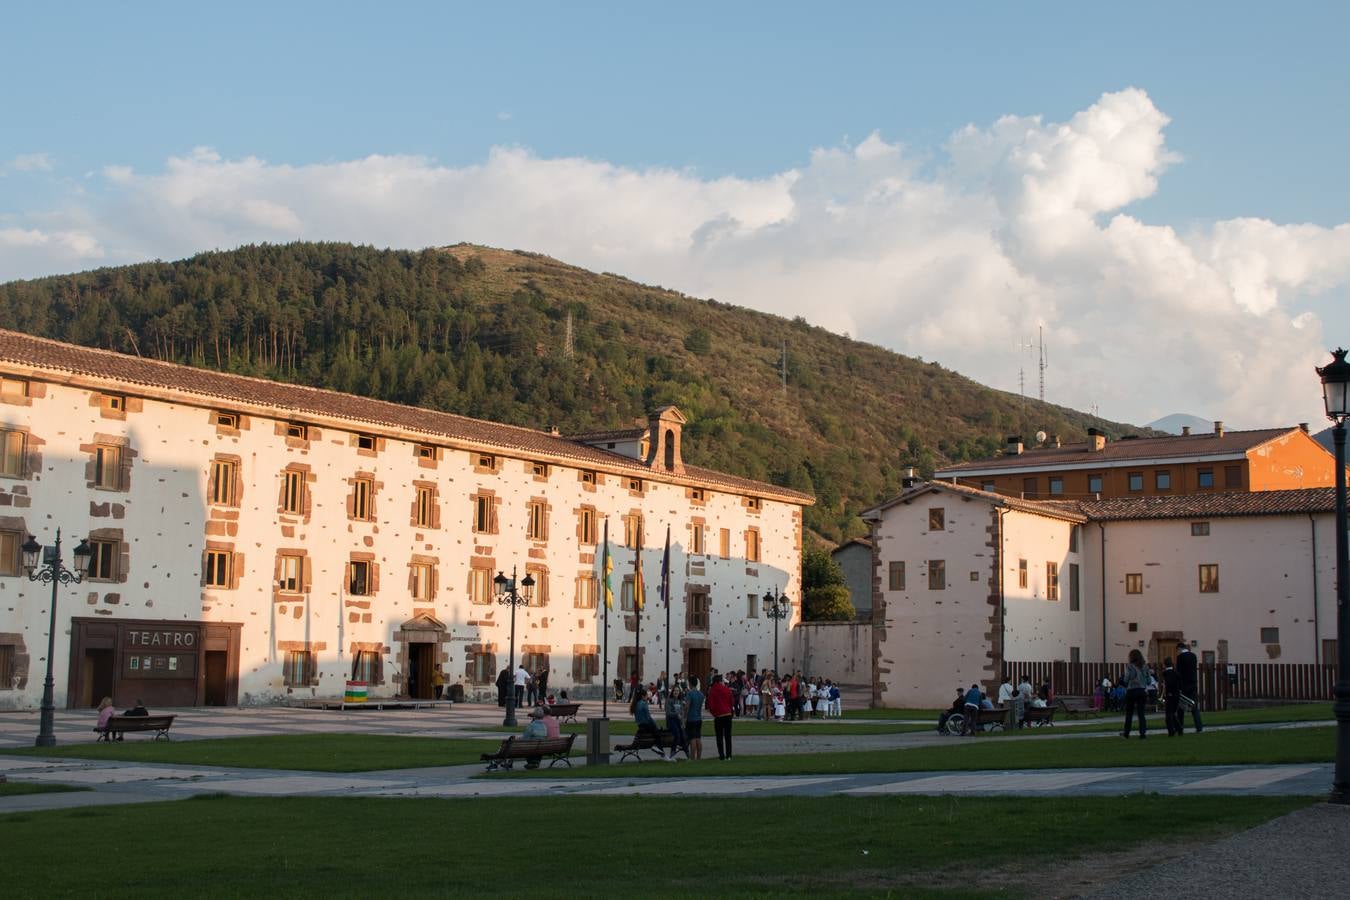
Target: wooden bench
point(645, 741)
point(991, 718)
point(119, 725)
point(514, 748)
point(565, 712)
point(1039, 716)
point(1074, 707)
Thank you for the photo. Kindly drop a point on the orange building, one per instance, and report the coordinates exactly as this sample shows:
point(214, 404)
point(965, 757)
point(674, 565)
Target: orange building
point(1263, 460)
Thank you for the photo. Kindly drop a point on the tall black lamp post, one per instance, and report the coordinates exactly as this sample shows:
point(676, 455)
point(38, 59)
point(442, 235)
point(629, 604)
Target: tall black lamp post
point(776, 608)
point(507, 595)
point(1336, 394)
point(44, 564)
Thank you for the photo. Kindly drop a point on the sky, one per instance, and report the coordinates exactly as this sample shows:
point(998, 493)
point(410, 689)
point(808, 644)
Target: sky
point(1160, 187)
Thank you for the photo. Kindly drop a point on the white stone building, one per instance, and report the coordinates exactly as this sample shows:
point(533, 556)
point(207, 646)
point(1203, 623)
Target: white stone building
point(255, 541)
point(968, 580)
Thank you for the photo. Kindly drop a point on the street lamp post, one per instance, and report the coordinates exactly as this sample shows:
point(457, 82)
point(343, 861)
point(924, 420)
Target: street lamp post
point(507, 595)
point(1336, 395)
point(44, 564)
point(777, 608)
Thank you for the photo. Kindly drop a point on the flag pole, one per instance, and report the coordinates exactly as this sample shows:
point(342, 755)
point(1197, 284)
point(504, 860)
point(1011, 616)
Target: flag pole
point(605, 599)
point(638, 603)
point(665, 595)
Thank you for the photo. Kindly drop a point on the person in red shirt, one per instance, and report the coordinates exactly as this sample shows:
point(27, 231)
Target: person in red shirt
point(719, 707)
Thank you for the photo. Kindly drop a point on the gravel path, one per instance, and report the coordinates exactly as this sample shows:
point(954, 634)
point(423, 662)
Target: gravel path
point(1299, 855)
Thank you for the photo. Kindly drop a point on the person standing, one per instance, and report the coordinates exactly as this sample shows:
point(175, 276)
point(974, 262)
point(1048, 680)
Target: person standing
point(970, 709)
point(675, 723)
point(1188, 671)
point(503, 685)
point(438, 681)
point(1136, 693)
point(522, 678)
point(1171, 698)
point(541, 683)
point(1005, 692)
point(719, 706)
point(693, 719)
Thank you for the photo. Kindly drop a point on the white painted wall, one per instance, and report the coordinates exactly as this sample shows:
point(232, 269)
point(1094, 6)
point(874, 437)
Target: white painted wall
point(839, 651)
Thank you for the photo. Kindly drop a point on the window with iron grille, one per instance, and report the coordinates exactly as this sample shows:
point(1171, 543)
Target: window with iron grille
point(368, 666)
point(699, 603)
point(299, 668)
point(1134, 583)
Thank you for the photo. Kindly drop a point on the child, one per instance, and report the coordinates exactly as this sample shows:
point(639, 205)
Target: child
point(779, 708)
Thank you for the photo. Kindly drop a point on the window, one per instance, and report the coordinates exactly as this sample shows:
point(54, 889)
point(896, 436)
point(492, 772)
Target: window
point(539, 470)
point(1056, 486)
point(626, 594)
point(536, 527)
point(1052, 581)
point(426, 451)
point(419, 577)
point(586, 525)
point(221, 489)
point(1209, 578)
point(1204, 478)
point(754, 504)
point(10, 542)
point(696, 538)
point(937, 575)
point(1270, 635)
point(11, 453)
point(486, 461)
point(987, 486)
point(480, 586)
point(752, 545)
point(540, 595)
point(103, 560)
point(628, 663)
point(484, 514)
point(225, 419)
point(13, 388)
point(632, 530)
point(365, 442)
point(297, 431)
point(897, 575)
point(585, 593)
point(1136, 481)
point(587, 477)
point(108, 467)
point(698, 611)
point(293, 492)
point(724, 543)
point(358, 578)
point(1075, 655)
point(1207, 657)
point(1073, 538)
point(363, 495)
point(1028, 487)
point(1022, 573)
point(1232, 477)
point(752, 602)
point(937, 519)
point(6, 667)
point(299, 668)
point(635, 485)
point(1132, 627)
point(1162, 480)
point(424, 507)
point(218, 566)
point(1199, 529)
point(697, 495)
point(113, 402)
point(288, 581)
point(1094, 484)
point(1075, 598)
point(481, 667)
point(1134, 583)
point(367, 666)
point(586, 667)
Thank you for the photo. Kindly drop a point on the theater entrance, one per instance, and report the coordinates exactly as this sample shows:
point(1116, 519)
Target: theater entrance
point(160, 662)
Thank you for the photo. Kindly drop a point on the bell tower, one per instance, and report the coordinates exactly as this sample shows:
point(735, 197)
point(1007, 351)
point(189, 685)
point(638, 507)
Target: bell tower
point(663, 432)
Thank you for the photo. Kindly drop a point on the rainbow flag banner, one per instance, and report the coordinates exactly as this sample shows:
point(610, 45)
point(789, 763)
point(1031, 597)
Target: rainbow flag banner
point(355, 693)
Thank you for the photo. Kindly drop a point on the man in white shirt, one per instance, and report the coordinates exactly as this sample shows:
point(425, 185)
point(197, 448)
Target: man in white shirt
point(1005, 692)
point(522, 679)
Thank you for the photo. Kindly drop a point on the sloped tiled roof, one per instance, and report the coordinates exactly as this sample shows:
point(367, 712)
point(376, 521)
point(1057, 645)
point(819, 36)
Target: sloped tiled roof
point(1230, 443)
point(1210, 506)
point(40, 357)
point(1055, 510)
point(617, 435)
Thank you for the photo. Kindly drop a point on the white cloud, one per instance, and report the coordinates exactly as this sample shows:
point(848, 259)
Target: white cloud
point(28, 162)
point(955, 254)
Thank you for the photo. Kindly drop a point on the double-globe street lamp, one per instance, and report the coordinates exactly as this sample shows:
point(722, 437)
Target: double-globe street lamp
point(44, 564)
point(777, 608)
point(1336, 395)
point(508, 595)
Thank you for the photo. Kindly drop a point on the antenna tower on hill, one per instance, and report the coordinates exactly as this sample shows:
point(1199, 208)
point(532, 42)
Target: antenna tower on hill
point(568, 348)
point(782, 368)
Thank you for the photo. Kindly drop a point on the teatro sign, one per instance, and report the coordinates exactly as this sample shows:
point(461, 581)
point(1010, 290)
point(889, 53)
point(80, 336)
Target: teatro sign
point(162, 639)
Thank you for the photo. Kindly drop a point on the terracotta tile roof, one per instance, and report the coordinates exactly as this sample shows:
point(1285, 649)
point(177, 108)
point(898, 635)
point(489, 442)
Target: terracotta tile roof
point(1210, 506)
point(26, 354)
point(1231, 443)
point(1055, 510)
point(620, 434)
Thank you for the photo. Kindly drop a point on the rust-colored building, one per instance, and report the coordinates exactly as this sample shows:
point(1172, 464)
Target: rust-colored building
point(1267, 459)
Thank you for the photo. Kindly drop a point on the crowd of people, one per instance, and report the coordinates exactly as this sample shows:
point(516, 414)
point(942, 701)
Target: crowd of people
point(969, 702)
point(760, 695)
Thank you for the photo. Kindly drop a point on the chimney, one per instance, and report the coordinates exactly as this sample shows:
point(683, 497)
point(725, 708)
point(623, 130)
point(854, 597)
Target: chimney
point(1014, 446)
point(553, 430)
point(909, 479)
point(1055, 440)
point(1303, 427)
point(1218, 428)
point(1096, 440)
point(1185, 431)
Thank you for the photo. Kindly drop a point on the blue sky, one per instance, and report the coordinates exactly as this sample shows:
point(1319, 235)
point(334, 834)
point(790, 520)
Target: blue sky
point(1251, 98)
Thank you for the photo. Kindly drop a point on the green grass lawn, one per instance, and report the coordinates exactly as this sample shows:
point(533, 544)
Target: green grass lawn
point(1295, 745)
point(592, 846)
point(1113, 722)
point(307, 752)
point(622, 727)
point(17, 788)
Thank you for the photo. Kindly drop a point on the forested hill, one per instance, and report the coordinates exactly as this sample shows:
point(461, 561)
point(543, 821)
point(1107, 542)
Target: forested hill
point(521, 338)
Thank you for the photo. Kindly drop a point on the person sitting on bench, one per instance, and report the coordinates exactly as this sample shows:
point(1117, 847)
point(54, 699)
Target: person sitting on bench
point(642, 715)
point(538, 730)
point(137, 710)
point(105, 712)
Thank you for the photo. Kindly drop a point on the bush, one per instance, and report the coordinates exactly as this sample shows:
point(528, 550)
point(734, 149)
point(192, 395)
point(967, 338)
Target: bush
point(829, 603)
point(698, 341)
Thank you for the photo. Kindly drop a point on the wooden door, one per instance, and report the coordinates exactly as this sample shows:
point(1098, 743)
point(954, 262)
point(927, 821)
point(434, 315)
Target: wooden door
point(700, 664)
point(217, 679)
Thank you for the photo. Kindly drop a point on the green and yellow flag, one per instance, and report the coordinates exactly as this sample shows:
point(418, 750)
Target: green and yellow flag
point(607, 567)
point(637, 575)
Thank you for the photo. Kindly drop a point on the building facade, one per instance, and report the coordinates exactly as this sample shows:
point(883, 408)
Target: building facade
point(256, 541)
point(854, 559)
point(1264, 460)
point(969, 580)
